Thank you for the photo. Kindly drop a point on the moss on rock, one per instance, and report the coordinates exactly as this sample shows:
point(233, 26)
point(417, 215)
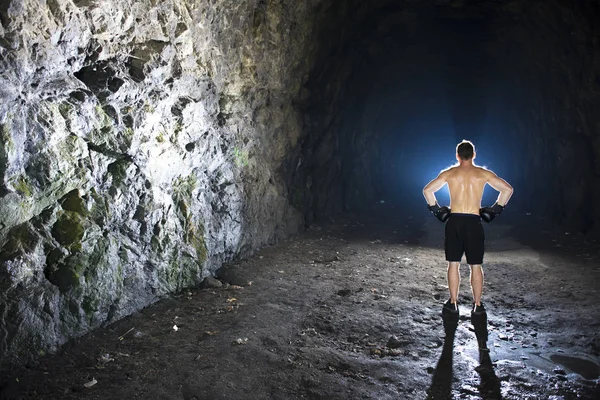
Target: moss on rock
point(100, 210)
point(155, 244)
point(54, 256)
point(173, 272)
point(196, 239)
point(65, 109)
point(73, 201)
point(65, 276)
point(5, 136)
point(183, 188)
point(68, 230)
point(241, 157)
point(118, 170)
point(90, 305)
point(23, 186)
point(6, 145)
point(22, 239)
point(63, 272)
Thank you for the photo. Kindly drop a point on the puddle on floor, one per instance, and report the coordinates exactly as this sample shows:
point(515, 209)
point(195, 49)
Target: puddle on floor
point(581, 366)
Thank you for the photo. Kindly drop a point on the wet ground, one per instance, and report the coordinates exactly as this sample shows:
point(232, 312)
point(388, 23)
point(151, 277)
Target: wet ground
point(351, 310)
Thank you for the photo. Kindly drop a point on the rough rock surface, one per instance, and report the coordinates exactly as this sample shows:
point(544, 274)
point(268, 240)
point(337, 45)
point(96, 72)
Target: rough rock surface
point(210, 283)
point(140, 143)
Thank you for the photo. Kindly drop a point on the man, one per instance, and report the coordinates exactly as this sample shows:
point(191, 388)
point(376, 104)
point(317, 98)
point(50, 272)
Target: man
point(464, 232)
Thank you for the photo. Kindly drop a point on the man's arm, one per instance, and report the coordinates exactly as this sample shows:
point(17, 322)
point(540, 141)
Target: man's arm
point(502, 186)
point(432, 187)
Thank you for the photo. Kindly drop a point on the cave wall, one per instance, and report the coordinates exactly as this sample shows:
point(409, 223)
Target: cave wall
point(141, 147)
point(318, 167)
point(555, 90)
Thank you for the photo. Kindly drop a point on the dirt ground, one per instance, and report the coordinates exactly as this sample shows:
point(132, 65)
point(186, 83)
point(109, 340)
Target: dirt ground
point(351, 310)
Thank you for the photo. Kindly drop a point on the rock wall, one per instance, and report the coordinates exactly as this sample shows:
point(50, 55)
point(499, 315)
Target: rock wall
point(323, 161)
point(555, 90)
point(140, 148)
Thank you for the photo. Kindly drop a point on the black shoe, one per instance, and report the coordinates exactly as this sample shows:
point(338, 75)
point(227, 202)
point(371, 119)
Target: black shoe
point(478, 310)
point(479, 321)
point(450, 308)
point(450, 317)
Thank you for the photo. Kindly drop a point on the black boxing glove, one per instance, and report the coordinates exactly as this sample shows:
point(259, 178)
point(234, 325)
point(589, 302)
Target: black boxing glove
point(489, 213)
point(441, 213)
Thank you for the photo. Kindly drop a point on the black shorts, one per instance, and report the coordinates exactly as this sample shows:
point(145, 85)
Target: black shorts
point(464, 234)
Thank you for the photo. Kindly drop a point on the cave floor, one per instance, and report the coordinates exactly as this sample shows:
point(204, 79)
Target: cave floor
point(314, 317)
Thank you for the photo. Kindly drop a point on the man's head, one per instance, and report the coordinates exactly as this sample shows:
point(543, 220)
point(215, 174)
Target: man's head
point(465, 151)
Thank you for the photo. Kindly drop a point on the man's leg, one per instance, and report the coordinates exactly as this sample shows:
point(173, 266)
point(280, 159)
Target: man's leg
point(479, 314)
point(453, 280)
point(450, 314)
point(476, 283)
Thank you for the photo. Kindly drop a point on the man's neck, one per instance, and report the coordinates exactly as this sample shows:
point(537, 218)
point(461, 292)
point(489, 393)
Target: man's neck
point(465, 163)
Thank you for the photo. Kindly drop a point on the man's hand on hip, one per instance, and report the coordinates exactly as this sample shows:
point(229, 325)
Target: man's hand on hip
point(441, 213)
point(489, 213)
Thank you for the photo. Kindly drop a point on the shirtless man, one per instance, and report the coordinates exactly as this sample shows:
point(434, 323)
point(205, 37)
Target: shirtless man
point(464, 233)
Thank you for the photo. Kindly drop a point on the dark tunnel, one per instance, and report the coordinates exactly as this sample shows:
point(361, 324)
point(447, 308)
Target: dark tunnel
point(400, 86)
point(147, 146)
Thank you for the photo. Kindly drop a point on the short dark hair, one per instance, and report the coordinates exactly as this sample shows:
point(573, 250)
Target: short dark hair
point(465, 150)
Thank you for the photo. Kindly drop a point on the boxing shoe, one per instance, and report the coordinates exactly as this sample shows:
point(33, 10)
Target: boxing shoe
point(478, 310)
point(450, 315)
point(479, 321)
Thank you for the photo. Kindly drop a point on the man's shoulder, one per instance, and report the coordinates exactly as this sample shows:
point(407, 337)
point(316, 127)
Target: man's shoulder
point(485, 172)
point(484, 169)
point(448, 170)
point(472, 171)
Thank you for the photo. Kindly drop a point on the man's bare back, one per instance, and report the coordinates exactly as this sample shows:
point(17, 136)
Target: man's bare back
point(466, 183)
